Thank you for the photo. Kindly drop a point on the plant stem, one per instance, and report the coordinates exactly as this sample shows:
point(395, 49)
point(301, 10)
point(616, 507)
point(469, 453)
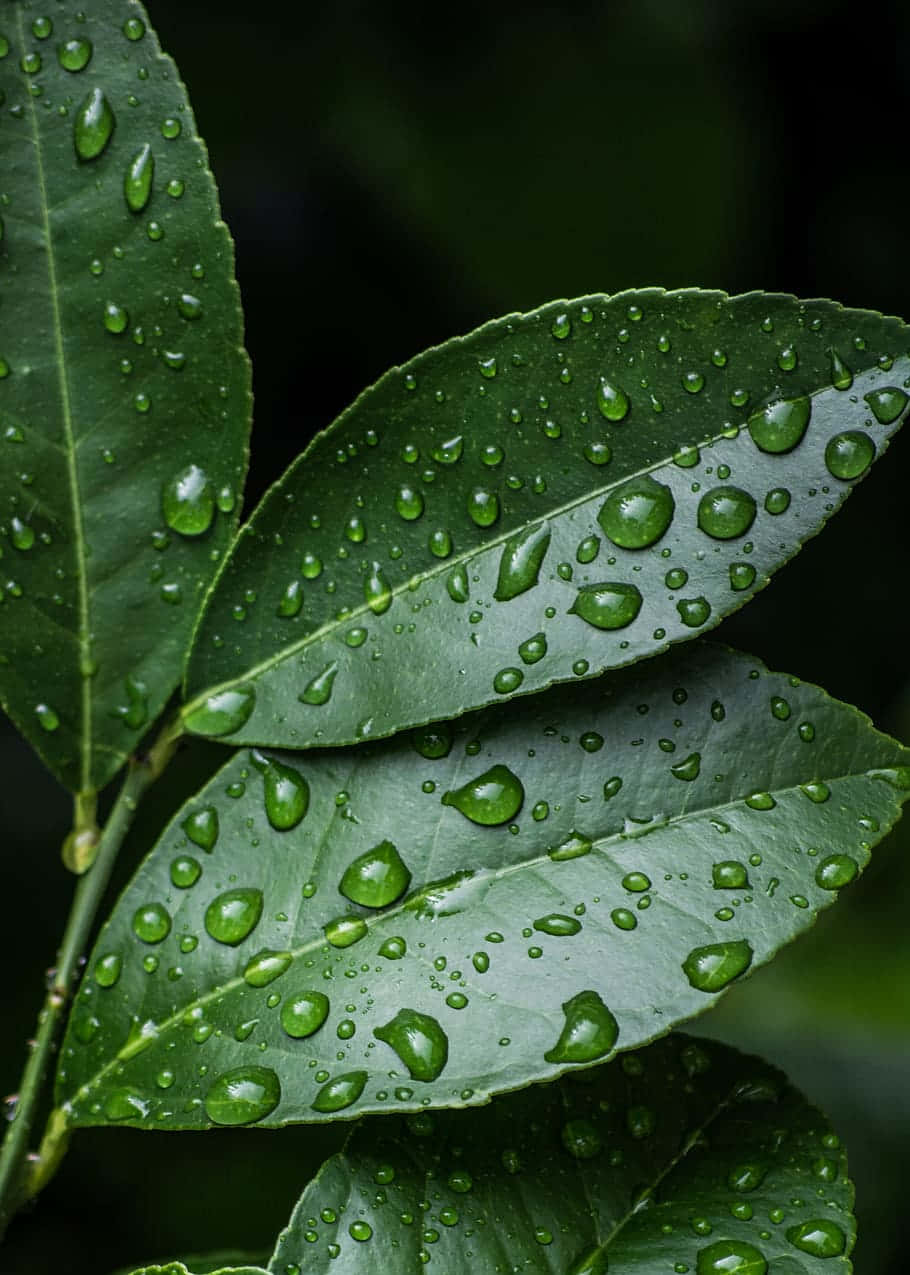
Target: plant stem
point(16, 1186)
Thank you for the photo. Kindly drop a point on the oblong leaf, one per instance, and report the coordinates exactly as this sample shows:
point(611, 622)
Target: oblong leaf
point(436, 919)
point(687, 1156)
point(556, 494)
point(124, 388)
point(480, 907)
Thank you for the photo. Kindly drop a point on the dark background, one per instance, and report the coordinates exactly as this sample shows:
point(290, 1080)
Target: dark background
point(396, 174)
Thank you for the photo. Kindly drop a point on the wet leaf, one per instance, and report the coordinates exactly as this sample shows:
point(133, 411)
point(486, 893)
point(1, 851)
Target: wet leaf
point(124, 388)
point(474, 907)
point(199, 1266)
point(687, 1156)
point(555, 494)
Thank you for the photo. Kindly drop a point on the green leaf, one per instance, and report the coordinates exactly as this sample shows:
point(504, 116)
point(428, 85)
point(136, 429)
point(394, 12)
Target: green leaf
point(477, 907)
point(124, 388)
point(526, 505)
point(687, 1156)
point(201, 1266)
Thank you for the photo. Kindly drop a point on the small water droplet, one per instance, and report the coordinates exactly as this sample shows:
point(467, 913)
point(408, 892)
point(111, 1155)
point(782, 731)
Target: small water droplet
point(188, 502)
point(841, 376)
point(419, 1042)
point(711, 968)
point(152, 923)
point(819, 1237)
point(836, 871)
point(610, 605)
point(377, 591)
point(725, 513)
point(134, 28)
point(693, 611)
point(688, 769)
point(376, 878)
point(243, 1096)
point(612, 401)
point(533, 648)
point(137, 181)
point(483, 507)
point(93, 125)
point(590, 1031)
point(265, 967)
point(319, 690)
point(492, 798)
point(731, 1257)
point(887, 404)
point(742, 575)
point(521, 561)
point(202, 828)
point(344, 931)
point(558, 924)
point(75, 55)
point(303, 1014)
point(285, 791)
point(849, 455)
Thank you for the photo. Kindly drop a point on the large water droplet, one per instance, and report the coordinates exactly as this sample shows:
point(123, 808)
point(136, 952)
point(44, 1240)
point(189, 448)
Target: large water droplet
point(522, 558)
point(688, 769)
point(377, 878)
point(152, 923)
point(188, 502)
point(730, 874)
point(612, 401)
point(344, 931)
point(731, 1257)
point(286, 793)
point(432, 742)
point(886, 404)
point(781, 425)
point(202, 828)
point(533, 648)
point(304, 1014)
point(818, 1237)
point(611, 605)
point(492, 798)
point(319, 690)
point(232, 916)
point(638, 513)
point(711, 968)
point(137, 182)
point(265, 967)
point(483, 507)
point(341, 1092)
point(93, 125)
point(726, 512)
point(75, 55)
point(590, 1031)
point(449, 451)
point(849, 455)
point(557, 924)
point(419, 1042)
point(243, 1095)
point(377, 591)
point(836, 871)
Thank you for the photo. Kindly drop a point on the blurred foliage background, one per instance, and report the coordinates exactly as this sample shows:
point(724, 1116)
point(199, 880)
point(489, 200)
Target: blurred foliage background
point(394, 175)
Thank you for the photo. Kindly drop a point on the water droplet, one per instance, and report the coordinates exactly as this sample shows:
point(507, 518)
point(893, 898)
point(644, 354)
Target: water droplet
point(232, 916)
point(777, 501)
point(319, 690)
point(75, 55)
point(581, 1139)
point(291, 600)
point(693, 611)
point(836, 871)
point(137, 182)
point(711, 968)
point(841, 376)
point(457, 584)
point(533, 648)
point(134, 28)
point(419, 1042)
point(152, 923)
point(185, 871)
point(760, 801)
point(377, 591)
point(623, 919)
point(344, 931)
point(31, 63)
point(93, 125)
point(726, 512)
point(818, 1237)
point(377, 878)
point(886, 404)
point(557, 924)
point(688, 769)
point(521, 561)
point(508, 680)
point(408, 503)
point(286, 792)
point(202, 828)
point(638, 513)
point(359, 1230)
point(188, 502)
point(729, 874)
point(393, 948)
point(597, 453)
point(243, 1095)
point(849, 455)
point(126, 1104)
point(432, 742)
point(483, 507)
point(107, 969)
point(590, 1031)
point(612, 401)
point(448, 452)
point(304, 1014)
point(611, 605)
point(265, 967)
point(492, 798)
point(780, 425)
point(171, 129)
point(742, 575)
point(440, 544)
point(731, 1257)
point(561, 326)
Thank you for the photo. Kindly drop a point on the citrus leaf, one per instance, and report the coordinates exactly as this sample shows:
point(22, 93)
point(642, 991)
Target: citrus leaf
point(687, 1156)
point(556, 494)
point(124, 388)
point(198, 1267)
point(434, 920)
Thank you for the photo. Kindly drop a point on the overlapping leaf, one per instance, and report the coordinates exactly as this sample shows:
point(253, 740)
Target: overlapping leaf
point(124, 389)
point(437, 919)
point(556, 494)
point(687, 1156)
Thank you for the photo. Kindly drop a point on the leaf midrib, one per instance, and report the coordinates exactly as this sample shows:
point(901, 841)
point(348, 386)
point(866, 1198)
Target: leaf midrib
point(128, 1052)
point(69, 449)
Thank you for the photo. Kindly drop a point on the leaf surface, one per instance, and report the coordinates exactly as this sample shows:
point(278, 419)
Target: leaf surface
point(685, 1156)
point(556, 494)
point(199, 1267)
point(437, 919)
point(124, 388)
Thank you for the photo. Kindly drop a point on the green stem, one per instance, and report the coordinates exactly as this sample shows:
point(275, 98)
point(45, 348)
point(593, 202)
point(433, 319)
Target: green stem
point(18, 1183)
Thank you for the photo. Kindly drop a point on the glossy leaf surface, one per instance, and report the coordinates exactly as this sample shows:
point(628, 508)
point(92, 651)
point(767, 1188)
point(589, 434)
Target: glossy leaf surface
point(556, 494)
point(124, 388)
point(198, 1268)
point(580, 874)
point(687, 1156)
